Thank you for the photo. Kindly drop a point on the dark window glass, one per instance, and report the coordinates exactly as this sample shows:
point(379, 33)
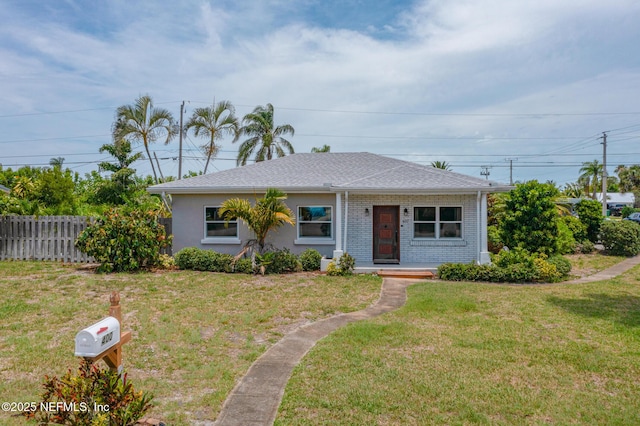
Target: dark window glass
point(424, 230)
point(450, 214)
point(424, 214)
point(450, 230)
point(314, 222)
point(216, 226)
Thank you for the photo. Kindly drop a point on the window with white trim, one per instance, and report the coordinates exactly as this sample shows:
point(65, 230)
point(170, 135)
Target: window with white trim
point(216, 227)
point(315, 222)
point(437, 222)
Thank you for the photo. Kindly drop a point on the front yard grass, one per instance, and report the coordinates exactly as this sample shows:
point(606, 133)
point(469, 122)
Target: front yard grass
point(194, 333)
point(488, 354)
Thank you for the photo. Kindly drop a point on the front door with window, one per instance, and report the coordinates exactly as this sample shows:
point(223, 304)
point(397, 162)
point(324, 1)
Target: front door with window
point(386, 234)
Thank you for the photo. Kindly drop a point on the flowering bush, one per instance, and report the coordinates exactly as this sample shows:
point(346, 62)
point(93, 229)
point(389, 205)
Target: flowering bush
point(124, 240)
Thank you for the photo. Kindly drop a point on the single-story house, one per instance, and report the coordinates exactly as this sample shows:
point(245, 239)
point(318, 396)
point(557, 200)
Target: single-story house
point(618, 198)
point(378, 209)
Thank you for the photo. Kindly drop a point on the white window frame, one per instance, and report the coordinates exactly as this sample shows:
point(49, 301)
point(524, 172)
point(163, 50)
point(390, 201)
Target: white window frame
point(330, 240)
point(437, 223)
point(232, 239)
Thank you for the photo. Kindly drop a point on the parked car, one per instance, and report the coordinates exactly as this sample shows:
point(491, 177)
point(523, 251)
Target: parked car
point(634, 217)
point(615, 209)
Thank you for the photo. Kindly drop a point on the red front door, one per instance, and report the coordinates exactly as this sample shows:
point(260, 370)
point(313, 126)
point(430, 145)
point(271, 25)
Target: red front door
point(386, 234)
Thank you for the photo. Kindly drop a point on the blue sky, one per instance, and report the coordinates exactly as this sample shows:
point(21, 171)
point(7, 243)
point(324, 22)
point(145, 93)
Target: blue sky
point(470, 82)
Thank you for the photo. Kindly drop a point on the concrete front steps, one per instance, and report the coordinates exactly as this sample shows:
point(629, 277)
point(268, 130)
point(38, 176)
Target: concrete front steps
point(415, 271)
point(406, 273)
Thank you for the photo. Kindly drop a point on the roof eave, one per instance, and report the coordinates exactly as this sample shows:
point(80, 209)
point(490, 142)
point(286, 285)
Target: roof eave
point(236, 189)
point(422, 191)
point(326, 189)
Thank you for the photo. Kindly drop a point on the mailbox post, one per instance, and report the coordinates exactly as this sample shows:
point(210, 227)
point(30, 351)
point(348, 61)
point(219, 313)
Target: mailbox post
point(104, 339)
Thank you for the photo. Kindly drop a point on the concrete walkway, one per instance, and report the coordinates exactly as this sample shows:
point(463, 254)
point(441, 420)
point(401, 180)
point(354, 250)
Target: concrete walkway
point(256, 398)
point(608, 273)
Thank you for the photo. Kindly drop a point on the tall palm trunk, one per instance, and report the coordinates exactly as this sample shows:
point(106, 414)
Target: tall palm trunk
point(155, 176)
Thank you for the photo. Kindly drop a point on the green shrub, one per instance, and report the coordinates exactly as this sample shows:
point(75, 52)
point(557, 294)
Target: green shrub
point(545, 271)
point(282, 261)
point(310, 260)
point(494, 240)
point(530, 218)
point(621, 238)
point(512, 257)
point(332, 269)
point(565, 241)
point(204, 260)
point(453, 271)
point(243, 266)
point(124, 240)
point(516, 266)
point(590, 214)
point(563, 265)
point(585, 247)
point(577, 228)
point(519, 273)
point(92, 387)
point(344, 267)
point(224, 263)
point(185, 257)
point(199, 259)
point(166, 262)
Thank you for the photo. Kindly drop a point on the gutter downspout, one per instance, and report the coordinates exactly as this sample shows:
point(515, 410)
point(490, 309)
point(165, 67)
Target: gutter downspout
point(479, 231)
point(346, 219)
point(337, 253)
point(484, 257)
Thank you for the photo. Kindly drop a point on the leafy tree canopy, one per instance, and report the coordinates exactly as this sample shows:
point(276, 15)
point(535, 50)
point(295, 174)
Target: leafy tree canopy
point(530, 219)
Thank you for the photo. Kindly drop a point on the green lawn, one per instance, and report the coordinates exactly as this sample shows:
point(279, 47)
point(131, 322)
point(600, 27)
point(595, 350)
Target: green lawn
point(469, 353)
point(194, 333)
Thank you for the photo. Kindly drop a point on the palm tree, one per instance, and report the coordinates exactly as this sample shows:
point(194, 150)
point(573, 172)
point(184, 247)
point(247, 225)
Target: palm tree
point(324, 148)
point(268, 213)
point(56, 162)
point(143, 123)
point(214, 122)
point(591, 171)
point(121, 173)
point(573, 190)
point(441, 165)
point(264, 138)
point(630, 180)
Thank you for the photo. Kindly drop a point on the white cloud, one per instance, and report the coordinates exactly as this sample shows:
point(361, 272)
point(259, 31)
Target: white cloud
point(450, 58)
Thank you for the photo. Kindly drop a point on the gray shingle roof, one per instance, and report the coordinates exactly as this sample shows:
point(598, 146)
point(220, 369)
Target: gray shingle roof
point(325, 172)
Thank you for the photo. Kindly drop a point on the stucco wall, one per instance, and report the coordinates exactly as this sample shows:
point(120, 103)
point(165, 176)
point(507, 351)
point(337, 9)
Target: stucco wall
point(188, 223)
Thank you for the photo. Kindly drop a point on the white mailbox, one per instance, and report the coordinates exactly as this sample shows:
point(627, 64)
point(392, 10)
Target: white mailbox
point(99, 337)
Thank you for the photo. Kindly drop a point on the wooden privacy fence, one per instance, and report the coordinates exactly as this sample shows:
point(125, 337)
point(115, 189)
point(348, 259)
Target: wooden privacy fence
point(48, 237)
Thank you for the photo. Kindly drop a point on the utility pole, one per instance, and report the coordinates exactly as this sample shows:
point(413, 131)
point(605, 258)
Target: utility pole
point(485, 171)
point(510, 160)
point(180, 149)
point(604, 174)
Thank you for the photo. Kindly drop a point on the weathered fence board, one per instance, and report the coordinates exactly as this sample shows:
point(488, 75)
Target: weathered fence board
point(48, 237)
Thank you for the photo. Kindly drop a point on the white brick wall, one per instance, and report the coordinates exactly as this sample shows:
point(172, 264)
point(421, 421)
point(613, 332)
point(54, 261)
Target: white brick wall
point(360, 239)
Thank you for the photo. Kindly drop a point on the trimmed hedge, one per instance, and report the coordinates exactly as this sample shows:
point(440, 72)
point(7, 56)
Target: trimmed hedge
point(273, 262)
point(516, 266)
